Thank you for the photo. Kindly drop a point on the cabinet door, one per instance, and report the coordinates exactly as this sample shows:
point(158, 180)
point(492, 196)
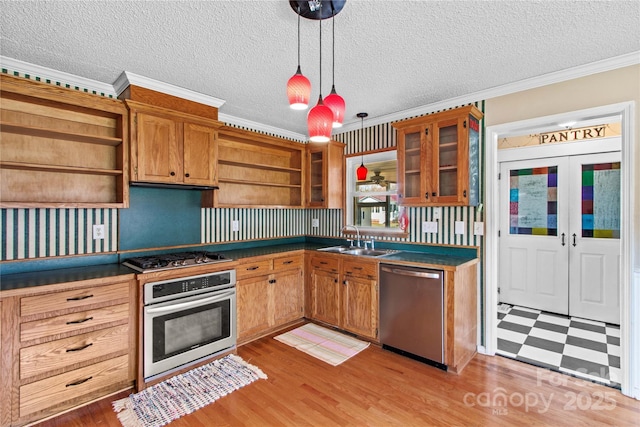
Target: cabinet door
point(288, 298)
point(159, 153)
point(450, 162)
point(412, 146)
point(253, 308)
point(360, 308)
point(325, 295)
point(200, 159)
point(317, 178)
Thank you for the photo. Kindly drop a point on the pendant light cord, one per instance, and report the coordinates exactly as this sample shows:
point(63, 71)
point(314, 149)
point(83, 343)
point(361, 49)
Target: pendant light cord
point(298, 37)
point(333, 47)
point(320, 21)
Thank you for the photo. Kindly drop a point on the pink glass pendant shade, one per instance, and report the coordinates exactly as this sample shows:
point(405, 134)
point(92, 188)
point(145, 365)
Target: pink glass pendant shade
point(298, 91)
point(336, 103)
point(319, 122)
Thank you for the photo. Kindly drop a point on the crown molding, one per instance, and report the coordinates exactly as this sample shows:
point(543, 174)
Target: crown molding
point(260, 127)
point(128, 78)
point(44, 73)
point(604, 65)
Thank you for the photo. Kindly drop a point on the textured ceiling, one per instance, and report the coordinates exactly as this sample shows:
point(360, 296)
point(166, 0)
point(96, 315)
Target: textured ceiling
point(391, 56)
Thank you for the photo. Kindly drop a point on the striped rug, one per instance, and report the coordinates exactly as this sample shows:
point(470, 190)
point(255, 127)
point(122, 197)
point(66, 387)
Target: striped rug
point(322, 343)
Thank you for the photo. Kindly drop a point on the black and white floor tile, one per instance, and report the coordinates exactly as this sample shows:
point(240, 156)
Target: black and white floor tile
point(579, 347)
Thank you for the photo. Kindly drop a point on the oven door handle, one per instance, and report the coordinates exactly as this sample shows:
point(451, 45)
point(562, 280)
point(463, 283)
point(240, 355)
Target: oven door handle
point(190, 304)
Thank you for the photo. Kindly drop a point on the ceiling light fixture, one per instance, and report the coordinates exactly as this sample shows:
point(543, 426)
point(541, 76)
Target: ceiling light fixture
point(334, 101)
point(298, 86)
point(362, 171)
point(321, 118)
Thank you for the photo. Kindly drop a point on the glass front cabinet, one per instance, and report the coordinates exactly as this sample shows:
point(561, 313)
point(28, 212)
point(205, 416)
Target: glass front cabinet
point(438, 158)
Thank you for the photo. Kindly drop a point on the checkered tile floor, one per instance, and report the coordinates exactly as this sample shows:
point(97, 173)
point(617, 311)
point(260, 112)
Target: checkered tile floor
point(578, 347)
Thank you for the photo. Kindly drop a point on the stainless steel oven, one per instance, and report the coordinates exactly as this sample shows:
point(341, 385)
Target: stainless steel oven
point(188, 319)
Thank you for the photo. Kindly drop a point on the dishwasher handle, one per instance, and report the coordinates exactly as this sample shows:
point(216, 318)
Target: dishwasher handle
point(411, 273)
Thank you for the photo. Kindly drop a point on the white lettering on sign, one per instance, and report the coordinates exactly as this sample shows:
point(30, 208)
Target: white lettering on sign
point(573, 135)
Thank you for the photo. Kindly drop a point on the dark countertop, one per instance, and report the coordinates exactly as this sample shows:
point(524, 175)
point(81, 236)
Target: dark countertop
point(432, 257)
point(51, 277)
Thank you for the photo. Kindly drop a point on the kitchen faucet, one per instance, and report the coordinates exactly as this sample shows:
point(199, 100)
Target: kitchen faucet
point(357, 233)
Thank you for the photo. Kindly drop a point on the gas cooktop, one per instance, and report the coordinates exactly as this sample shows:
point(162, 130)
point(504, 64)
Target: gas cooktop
point(173, 261)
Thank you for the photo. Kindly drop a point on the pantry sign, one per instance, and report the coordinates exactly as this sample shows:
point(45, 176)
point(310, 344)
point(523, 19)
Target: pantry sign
point(571, 135)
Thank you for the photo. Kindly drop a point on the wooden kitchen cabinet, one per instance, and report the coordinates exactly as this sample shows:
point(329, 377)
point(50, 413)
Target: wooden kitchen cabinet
point(344, 293)
point(171, 147)
point(61, 148)
point(325, 171)
point(257, 170)
point(438, 158)
point(66, 344)
point(270, 294)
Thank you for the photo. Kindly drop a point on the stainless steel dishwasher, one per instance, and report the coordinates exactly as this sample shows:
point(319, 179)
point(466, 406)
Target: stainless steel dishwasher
point(411, 312)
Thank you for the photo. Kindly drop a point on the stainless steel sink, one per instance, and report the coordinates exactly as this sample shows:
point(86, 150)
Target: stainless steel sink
point(349, 250)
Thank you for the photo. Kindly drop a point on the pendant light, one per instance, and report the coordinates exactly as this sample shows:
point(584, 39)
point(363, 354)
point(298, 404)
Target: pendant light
point(362, 171)
point(298, 86)
point(320, 118)
point(334, 101)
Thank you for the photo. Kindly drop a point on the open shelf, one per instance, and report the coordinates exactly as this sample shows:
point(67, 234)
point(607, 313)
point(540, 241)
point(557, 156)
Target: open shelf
point(54, 134)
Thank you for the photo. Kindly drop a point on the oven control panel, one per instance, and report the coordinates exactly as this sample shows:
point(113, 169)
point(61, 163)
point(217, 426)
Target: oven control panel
point(177, 288)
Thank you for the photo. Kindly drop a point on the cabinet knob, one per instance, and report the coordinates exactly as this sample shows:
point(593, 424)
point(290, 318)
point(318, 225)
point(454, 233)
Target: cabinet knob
point(426, 195)
point(172, 173)
point(464, 193)
point(434, 194)
point(187, 175)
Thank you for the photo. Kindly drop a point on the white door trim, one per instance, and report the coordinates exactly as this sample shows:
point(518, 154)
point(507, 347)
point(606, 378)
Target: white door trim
point(630, 301)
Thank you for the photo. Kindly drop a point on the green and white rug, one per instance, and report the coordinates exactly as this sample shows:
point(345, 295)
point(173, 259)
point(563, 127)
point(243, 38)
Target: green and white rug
point(183, 394)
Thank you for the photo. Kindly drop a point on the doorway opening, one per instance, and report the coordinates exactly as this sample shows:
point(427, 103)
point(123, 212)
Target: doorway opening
point(624, 365)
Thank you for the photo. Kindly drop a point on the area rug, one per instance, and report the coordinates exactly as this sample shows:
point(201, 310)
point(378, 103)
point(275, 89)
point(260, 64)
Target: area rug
point(329, 346)
point(164, 402)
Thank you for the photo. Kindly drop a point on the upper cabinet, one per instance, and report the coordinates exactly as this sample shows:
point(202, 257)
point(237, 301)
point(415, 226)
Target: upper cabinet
point(256, 170)
point(438, 158)
point(325, 174)
point(61, 148)
point(170, 147)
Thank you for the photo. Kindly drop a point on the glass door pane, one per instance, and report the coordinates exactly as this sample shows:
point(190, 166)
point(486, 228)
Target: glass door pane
point(533, 201)
point(601, 200)
point(412, 165)
point(316, 176)
point(448, 160)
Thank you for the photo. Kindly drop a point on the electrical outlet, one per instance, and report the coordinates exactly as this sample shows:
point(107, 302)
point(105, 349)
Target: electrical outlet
point(459, 227)
point(478, 228)
point(98, 231)
point(235, 225)
point(315, 222)
point(429, 227)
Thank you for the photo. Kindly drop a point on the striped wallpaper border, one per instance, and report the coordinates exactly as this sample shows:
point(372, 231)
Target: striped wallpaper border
point(42, 233)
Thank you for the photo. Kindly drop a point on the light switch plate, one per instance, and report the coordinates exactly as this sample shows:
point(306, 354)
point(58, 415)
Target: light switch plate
point(478, 228)
point(235, 225)
point(315, 222)
point(98, 231)
point(436, 213)
point(459, 227)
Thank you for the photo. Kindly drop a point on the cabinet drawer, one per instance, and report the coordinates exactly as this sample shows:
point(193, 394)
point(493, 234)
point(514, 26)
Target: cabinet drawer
point(287, 262)
point(77, 298)
point(249, 269)
point(73, 322)
point(365, 270)
point(325, 263)
point(50, 392)
point(65, 353)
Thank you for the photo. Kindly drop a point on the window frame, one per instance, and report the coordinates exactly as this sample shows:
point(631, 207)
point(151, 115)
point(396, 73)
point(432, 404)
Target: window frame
point(352, 162)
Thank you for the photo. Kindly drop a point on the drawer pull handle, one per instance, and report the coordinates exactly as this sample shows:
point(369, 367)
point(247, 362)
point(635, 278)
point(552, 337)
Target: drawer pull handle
point(78, 382)
point(80, 298)
point(357, 268)
point(252, 268)
point(74, 322)
point(79, 348)
point(287, 262)
point(324, 262)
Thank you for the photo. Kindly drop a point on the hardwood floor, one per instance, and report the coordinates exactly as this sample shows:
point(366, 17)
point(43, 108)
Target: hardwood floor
point(379, 388)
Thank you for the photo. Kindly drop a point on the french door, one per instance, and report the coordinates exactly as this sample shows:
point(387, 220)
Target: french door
point(560, 235)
